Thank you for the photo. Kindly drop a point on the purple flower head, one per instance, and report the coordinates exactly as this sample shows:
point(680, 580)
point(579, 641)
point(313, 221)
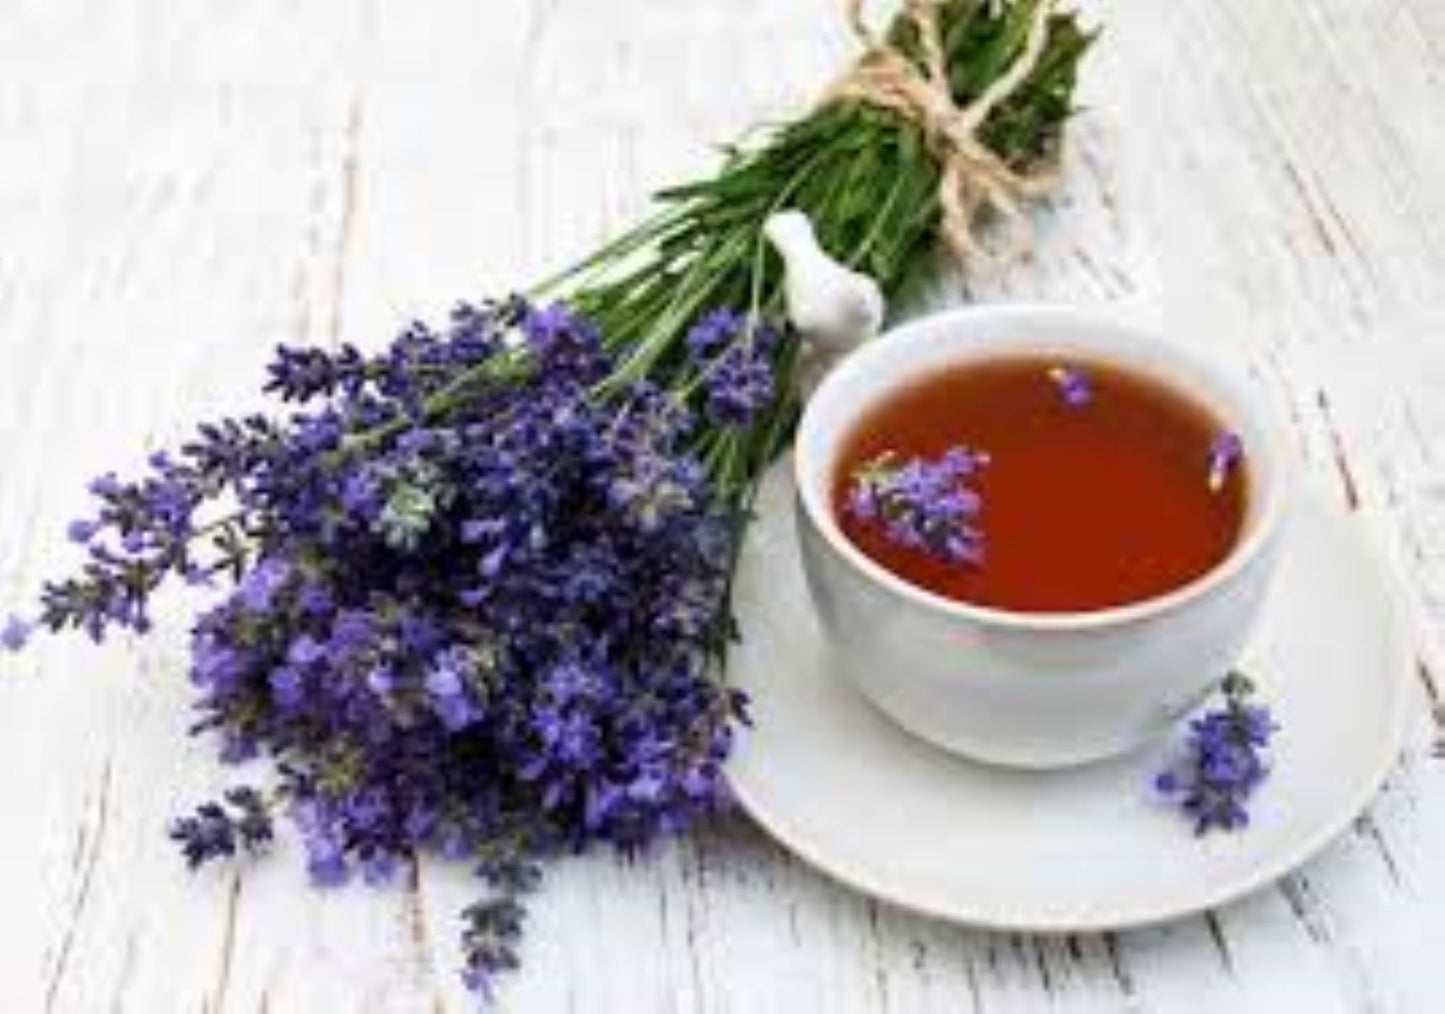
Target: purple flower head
point(483, 530)
point(262, 583)
point(216, 830)
point(16, 633)
point(378, 869)
point(418, 441)
point(323, 837)
point(1226, 452)
point(105, 486)
point(444, 680)
point(552, 328)
point(735, 352)
point(655, 490)
point(714, 331)
point(739, 386)
point(82, 531)
point(216, 664)
point(315, 599)
point(326, 861)
point(305, 651)
point(206, 835)
point(300, 374)
point(237, 748)
point(923, 504)
point(491, 933)
point(251, 817)
point(451, 696)
point(571, 681)
point(288, 687)
point(570, 736)
point(361, 494)
point(1223, 762)
point(352, 635)
point(381, 681)
point(1073, 384)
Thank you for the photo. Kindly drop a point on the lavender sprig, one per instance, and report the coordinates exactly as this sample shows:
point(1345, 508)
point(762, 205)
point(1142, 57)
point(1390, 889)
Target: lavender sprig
point(923, 503)
point(241, 822)
point(1224, 761)
point(735, 353)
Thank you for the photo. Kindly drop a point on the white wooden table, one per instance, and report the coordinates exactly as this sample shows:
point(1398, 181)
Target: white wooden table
point(183, 185)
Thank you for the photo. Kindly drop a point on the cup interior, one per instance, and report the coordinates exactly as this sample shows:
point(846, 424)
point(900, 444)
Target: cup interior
point(956, 338)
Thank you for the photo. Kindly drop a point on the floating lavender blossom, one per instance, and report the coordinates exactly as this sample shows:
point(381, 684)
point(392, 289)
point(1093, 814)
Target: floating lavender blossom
point(1224, 761)
point(923, 503)
point(1226, 452)
point(1073, 384)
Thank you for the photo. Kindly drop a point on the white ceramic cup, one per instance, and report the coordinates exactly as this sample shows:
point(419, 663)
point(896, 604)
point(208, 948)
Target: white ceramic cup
point(1034, 690)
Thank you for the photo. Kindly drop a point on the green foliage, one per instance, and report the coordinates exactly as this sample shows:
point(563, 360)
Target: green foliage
point(864, 176)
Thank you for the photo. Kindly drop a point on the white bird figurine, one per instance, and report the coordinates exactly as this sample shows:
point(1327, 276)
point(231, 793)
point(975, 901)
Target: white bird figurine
point(834, 308)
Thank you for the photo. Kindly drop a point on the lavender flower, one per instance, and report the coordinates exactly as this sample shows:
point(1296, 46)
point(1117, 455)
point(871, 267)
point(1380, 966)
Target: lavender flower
point(303, 374)
point(480, 594)
point(737, 368)
point(1073, 384)
point(492, 931)
point(714, 331)
point(82, 531)
point(451, 697)
point(1226, 452)
point(1224, 761)
point(923, 504)
point(216, 830)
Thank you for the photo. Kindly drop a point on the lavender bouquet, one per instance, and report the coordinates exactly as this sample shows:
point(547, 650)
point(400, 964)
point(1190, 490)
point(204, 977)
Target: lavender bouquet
point(472, 590)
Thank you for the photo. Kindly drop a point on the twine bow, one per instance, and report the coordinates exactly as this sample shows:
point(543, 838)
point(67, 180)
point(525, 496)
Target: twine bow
point(974, 180)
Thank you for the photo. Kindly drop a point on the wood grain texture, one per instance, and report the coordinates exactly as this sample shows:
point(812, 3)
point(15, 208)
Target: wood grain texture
point(185, 185)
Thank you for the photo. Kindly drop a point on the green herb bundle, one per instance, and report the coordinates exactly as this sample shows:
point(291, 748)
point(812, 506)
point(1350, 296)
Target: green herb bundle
point(866, 177)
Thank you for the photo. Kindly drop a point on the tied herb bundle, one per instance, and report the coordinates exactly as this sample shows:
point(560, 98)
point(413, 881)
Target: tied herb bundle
point(476, 585)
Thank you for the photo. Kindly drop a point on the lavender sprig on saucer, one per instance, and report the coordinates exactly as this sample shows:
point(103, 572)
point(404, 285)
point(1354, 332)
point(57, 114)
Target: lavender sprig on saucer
point(923, 503)
point(1224, 762)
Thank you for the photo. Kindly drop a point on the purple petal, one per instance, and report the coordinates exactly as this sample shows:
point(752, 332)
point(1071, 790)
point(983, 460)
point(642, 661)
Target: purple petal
point(16, 633)
point(1225, 454)
point(1073, 385)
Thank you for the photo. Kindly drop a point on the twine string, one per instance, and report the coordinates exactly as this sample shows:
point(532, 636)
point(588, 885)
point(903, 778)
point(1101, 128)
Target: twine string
point(974, 183)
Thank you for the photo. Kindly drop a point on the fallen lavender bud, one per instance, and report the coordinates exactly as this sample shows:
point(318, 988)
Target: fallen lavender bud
point(1224, 761)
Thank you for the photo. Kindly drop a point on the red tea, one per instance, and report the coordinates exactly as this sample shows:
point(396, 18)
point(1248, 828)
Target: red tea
point(1101, 487)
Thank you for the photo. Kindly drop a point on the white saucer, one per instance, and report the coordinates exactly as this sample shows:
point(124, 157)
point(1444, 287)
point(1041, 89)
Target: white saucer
point(1088, 849)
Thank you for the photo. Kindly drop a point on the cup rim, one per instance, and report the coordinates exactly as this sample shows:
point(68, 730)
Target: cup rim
point(922, 329)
